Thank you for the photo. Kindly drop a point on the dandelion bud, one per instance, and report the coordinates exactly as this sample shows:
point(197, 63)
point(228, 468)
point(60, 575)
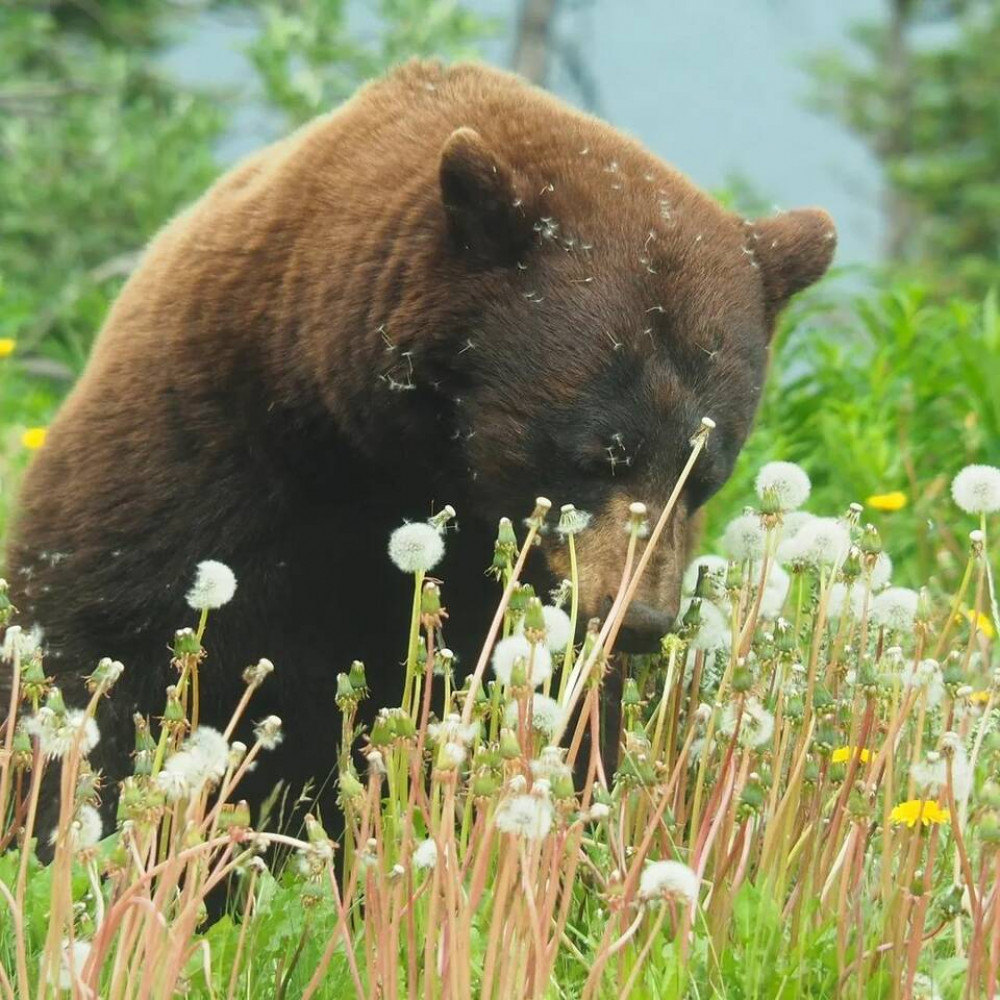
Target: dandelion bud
point(430, 599)
point(742, 680)
point(630, 693)
point(54, 702)
point(990, 795)
point(510, 749)
point(534, 620)
point(572, 521)
point(520, 597)
point(173, 711)
point(382, 731)
point(977, 542)
point(268, 732)
point(988, 830)
point(870, 542)
point(234, 815)
point(854, 512)
point(485, 785)
point(105, 675)
point(145, 746)
point(345, 690)
point(357, 676)
point(505, 535)
point(21, 752)
point(6, 608)
point(256, 674)
point(350, 787)
point(186, 643)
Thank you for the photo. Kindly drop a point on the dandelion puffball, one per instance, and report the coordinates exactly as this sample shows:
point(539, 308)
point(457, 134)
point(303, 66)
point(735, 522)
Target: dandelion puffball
point(214, 585)
point(786, 482)
point(557, 628)
point(416, 547)
point(546, 714)
point(528, 816)
point(744, 538)
point(426, 854)
point(976, 489)
point(669, 880)
point(895, 608)
point(536, 657)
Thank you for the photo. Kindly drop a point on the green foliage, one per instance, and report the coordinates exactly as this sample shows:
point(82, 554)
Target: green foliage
point(930, 110)
point(896, 391)
point(310, 57)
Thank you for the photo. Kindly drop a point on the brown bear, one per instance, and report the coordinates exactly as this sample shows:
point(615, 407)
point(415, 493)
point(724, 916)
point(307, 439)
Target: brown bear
point(453, 289)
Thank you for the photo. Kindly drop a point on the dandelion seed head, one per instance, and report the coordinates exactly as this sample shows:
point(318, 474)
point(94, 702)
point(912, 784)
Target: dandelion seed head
point(536, 657)
point(416, 547)
point(713, 626)
point(214, 585)
point(976, 489)
point(845, 599)
point(756, 723)
point(425, 855)
point(743, 538)
point(528, 816)
point(669, 880)
point(786, 482)
point(881, 571)
point(72, 958)
point(716, 568)
point(821, 541)
point(775, 591)
point(546, 714)
point(895, 608)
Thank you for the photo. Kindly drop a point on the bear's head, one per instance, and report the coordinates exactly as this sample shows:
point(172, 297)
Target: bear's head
point(610, 306)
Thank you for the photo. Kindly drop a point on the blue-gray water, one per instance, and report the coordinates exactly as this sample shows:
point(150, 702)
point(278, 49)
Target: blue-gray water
point(713, 86)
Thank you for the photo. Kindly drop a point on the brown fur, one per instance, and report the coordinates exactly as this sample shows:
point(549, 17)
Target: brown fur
point(453, 288)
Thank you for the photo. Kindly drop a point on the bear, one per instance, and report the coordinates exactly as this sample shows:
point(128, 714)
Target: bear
point(454, 288)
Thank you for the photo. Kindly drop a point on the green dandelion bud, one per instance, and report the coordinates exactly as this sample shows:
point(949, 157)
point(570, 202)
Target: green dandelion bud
point(430, 599)
point(522, 594)
point(350, 787)
point(562, 787)
point(485, 785)
point(870, 542)
point(949, 903)
point(105, 675)
point(742, 680)
point(235, 815)
point(510, 749)
point(345, 690)
point(54, 701)
point(442, 517)
point(186, 643)
point(990, 795)
point(506, 538)
point(630, 693)
point(21, 751)
point(6, 608)
point(357, 676)
point(533, 617)
point(173, 712)
point(752, 797)
point(383, 731)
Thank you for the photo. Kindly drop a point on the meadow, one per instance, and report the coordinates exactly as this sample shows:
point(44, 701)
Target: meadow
point(805, 801)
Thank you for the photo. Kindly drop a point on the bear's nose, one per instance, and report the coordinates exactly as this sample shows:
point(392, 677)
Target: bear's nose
point(643, 628)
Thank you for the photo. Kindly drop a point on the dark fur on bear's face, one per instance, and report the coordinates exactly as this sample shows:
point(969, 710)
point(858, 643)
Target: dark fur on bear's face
point(454, 289)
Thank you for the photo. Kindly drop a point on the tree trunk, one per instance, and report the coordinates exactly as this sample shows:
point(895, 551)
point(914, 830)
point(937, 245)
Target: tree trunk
point(534, 31)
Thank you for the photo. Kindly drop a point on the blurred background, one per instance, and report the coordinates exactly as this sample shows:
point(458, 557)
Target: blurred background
point(886, 380)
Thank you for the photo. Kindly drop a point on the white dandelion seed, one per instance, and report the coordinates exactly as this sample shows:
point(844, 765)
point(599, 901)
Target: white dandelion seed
point(546, 714)
point(210, 750)
point(550, 764)
point(268, 732)
point(416, 547)
point(452, 731)
point(536, 658)
point(756, 723)
point(976, 489)
point(744, 538)
point(669, 880)
point(57, 733)
point(845, 599)
point(214, 586)
point(881, 571)
point(425, 854)
point(786, 482)
point(528, 816)
point(91, 828)
point(961, 771)
point(557, 628)
point(793, 522)
point(895, 608)
point(926, 675)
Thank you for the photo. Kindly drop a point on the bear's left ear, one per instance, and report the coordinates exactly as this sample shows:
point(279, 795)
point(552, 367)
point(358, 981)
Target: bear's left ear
point(793, 249)
point(485, 215)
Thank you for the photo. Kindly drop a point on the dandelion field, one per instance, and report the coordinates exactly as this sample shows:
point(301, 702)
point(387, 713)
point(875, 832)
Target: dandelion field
point(804, 801)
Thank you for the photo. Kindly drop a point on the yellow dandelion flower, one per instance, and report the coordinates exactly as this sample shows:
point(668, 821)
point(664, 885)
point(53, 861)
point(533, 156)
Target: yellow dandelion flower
point(979, 697)
point(7, 347)
point(925, 810)
point(896, 500)
point(33, 438)
point(843, 754)
point(983, 623)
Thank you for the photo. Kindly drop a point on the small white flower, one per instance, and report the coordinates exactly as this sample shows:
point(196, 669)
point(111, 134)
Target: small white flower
point(557, 628)
point(416, 547)
point(756, 723)
point(895, 608)
point(669, 880)
point(72, 958)
point(426, 854)
point(536, 657)
point(785, 481)
point(528, 816)
point(976, 489)
point(57, 733)
point(713, 628)
point(546, 714)
point(744, 538)
point(214, 585)
point(715, 568)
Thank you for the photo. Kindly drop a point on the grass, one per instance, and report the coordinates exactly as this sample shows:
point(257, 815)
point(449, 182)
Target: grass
point(804, 802)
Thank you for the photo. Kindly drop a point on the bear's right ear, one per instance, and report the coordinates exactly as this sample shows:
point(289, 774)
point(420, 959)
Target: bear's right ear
point(485, 215)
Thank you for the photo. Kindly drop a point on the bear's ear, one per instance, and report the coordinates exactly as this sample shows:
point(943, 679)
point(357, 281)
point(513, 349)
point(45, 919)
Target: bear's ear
point(485, 215)
point(793, 249)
